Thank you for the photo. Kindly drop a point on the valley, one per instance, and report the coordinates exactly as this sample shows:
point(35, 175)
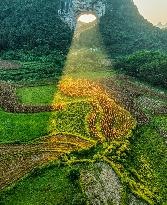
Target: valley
point(83, 123)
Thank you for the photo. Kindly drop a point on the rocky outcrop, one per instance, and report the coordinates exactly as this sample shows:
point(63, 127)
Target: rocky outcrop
point(101, 185)
point(69, 10)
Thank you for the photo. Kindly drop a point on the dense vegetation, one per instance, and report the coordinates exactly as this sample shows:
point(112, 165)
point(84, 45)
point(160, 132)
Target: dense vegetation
point(37, 35)
point(125, 31)
point(91, 118)
point(33, 25)
point(148, 148)
point(50, 185)
point(32, 71)
point(147, 66)
point(31, 31)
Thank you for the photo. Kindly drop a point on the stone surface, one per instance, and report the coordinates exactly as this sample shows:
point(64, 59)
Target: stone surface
point(69, 10)
point(101, 185)
point(134, 201)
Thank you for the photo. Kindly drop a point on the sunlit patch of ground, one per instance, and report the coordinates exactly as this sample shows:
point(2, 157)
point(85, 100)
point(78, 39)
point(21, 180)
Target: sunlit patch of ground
point(81, 120)
point(115, 121)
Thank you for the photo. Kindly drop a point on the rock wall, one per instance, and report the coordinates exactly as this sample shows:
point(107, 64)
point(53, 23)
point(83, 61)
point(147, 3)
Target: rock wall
point(69, 10)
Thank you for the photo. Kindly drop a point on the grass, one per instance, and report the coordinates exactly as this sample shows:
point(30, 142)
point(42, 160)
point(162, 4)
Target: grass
point(149, 158)
point(92, 75)
point(49, 186)
point(71, 120)
point(37, 95)
point(27, 127)
point(22, 127)
point(160, 122)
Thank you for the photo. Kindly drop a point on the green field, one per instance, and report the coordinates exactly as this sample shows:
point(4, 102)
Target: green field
point(47, 186)
point(27, 127)
point(22, 127)
point(149, 158)
point(37, 95)
point(71, 120)
point(160, 122)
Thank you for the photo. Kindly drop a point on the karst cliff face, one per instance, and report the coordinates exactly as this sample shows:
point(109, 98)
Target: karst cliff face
point(69, 10)
point(50, 25)
point(123, 29)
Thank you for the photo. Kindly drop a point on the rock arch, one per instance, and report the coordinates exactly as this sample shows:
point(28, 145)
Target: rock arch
point(69, 10)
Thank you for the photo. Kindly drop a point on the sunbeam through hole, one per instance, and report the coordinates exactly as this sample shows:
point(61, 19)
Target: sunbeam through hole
point(87, 18)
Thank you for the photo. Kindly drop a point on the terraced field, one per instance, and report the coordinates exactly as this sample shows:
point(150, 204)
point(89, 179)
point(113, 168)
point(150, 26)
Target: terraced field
point(91, 124)
point(79, 121)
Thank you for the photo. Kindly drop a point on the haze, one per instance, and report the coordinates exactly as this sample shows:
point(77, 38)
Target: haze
point(154, 11)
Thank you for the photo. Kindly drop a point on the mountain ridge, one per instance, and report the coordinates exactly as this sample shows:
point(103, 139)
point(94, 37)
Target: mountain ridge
point(37, 25)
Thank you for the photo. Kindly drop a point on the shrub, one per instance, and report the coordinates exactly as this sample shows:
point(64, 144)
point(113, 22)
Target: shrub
point(145, 65)
point(73, 174)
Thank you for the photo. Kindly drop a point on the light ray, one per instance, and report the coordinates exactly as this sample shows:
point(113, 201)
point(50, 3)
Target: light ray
point(86, 110)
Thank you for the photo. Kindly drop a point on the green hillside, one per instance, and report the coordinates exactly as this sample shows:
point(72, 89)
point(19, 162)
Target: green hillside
point(35, 25)
point(83, 112)
point(125, 31)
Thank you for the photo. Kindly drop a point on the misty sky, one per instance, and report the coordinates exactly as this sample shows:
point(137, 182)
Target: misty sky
point(153, 10)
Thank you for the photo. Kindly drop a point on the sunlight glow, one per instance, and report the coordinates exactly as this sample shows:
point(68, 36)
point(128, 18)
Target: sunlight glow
point(87, 18)
point(153, 10)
